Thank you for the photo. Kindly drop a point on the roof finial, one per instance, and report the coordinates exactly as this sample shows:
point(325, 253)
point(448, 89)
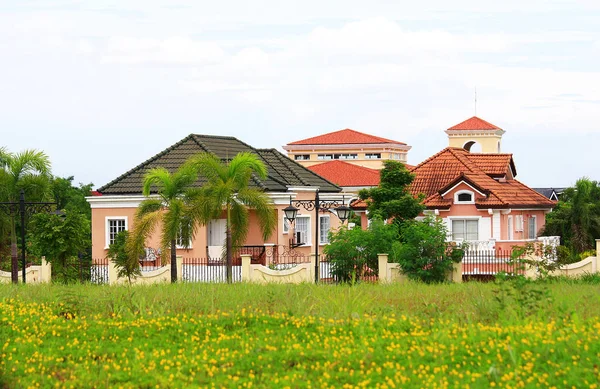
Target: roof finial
point(475, 101)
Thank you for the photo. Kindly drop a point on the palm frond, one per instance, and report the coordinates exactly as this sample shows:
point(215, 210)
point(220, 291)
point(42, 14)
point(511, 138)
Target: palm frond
point(209, 166)
point(242, 166)
point(263, 206)
point(159, 177)
point(148, 206)
point(29, 162)
point(142, 230)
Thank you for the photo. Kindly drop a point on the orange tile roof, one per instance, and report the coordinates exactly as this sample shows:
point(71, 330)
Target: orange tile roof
point(453, 165)
point(346, 136)
point(475, 123)
point(346, 174)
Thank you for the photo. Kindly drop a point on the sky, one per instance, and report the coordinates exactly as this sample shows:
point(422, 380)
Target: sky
point(101, 86)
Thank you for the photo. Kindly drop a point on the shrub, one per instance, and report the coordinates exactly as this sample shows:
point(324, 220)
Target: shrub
point(423, 253)
point(127, 265)
point(353, 253)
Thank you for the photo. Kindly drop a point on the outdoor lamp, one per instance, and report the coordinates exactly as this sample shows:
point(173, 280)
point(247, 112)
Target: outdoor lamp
point(290, 212)
point(343, 212)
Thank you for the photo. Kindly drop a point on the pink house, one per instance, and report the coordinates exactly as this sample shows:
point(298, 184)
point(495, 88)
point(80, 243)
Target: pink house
point(477, 194)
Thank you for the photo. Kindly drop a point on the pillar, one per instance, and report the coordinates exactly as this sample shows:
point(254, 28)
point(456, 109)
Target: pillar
point(112, 273)
point(45, 271)
point(246, 275)
point(179, 264)
point(383, 268)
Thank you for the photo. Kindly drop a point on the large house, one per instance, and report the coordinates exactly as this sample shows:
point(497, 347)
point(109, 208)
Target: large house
point(349, 146)
point(476, 194)
point(115, 204)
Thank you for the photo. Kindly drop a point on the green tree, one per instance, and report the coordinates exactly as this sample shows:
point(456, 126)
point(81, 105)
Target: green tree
point(27, 171)
point(392, 199)
point(423, 253)
point(172, 210)
point(353, 252)
point(60, 239)
point(576, 218)
point(70, 197)
point(127, 265)
point(228, 190)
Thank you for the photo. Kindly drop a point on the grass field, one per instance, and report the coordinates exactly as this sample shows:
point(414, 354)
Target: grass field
point(199, 335)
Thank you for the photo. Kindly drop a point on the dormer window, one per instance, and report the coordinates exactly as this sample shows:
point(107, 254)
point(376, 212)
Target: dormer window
point(464, 197)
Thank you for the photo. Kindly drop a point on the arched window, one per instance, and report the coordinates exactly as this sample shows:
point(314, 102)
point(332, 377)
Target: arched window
point(472, 147)
point(464, 197)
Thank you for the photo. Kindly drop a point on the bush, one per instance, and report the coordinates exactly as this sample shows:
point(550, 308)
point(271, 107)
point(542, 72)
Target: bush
point(127, 265)
point(353, 253)
point(423, 253)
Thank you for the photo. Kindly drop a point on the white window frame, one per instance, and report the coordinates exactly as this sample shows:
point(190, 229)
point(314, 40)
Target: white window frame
point(107, 221)
point(453, 219)
point(372, 155)
point(321, 242)
point(457, 201)
point(519, 223)
point(301, 157)
point(510, 227)
point(309, 229)
point(286, 225)
point(180, 246)
point(529, 219)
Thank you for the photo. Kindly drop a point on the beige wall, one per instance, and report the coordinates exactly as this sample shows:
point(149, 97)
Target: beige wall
point(386, 154)
point(198, 247)
point(489, 143)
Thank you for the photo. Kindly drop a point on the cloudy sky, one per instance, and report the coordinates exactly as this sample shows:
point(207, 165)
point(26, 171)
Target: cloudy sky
point(103, 85)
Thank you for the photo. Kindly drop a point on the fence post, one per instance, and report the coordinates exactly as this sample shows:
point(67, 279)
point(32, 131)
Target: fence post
point(311, 268)
point(383, 268)
point(597, 261)
point(269, 253)
point(246, 258)
point(112, 273)
point(179, 264)
point(456, 275)
point(45, 271)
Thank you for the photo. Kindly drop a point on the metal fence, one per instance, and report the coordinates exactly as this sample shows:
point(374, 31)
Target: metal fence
point(209, 270)
point(483, 265)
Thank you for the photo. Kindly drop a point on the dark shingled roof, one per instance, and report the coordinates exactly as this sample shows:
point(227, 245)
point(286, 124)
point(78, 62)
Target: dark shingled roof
point(283, 172)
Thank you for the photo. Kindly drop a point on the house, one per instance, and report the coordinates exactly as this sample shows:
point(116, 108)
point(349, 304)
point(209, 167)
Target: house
point(551, 193)
point(348, 145)
point(115, 204)
point(477, 194)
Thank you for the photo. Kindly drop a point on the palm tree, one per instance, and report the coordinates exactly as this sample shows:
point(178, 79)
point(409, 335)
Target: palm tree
point(227, 190)
point(27, 172)
point(171, 209)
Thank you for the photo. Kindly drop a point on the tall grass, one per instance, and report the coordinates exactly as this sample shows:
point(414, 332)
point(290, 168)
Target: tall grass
point(468, 302)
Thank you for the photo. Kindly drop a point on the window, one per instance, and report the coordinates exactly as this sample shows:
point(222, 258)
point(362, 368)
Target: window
point(464, 196)
point(302, 225)
point(373, 156)
point(519, 223)
point(336, 156)
point(324, 229)
point(510, 228)
point(532, 227)
point(286, 225)
point(467, 229)
point(180, 244)
point(302, 157)
point(114, 225)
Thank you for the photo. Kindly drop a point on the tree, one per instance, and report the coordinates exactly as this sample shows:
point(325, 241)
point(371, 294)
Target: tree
point(70, 197)
point(354, 252)
point(423, 253)
point(576, 218)
point(127, 265)
point(227, 190)
point(61, 239)
point(172, 209)
point(392, 199)
point(27, 171)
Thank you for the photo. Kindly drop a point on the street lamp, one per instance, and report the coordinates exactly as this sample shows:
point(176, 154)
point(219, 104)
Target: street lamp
point(22, 208)
point(342, 211)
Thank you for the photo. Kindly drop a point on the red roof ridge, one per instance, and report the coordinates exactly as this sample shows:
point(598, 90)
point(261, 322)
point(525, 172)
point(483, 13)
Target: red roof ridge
point(315, 139)
point(474, 123)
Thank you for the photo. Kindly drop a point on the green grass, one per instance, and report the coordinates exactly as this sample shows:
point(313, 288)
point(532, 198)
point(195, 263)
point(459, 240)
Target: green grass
point(241, 335)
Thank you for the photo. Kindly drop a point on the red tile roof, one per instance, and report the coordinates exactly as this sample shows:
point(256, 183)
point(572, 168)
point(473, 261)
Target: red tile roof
point(475, 123)
point(453, 165)
point(346, 136)
point(346, 174)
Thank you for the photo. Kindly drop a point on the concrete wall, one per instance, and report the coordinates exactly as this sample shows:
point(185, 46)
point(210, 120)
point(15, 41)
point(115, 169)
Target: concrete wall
point(33, 274)
point(161, 275)
point(302, 272)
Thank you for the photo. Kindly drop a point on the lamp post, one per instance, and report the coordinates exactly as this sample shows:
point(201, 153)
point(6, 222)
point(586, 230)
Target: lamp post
point(22, 209)
point(342, 211)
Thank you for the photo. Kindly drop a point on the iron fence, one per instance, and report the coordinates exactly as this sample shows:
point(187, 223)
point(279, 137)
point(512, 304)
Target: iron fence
point(485, 264)
point(209, 270)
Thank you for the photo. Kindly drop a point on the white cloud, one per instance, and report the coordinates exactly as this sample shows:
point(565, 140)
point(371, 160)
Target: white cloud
point(174, 50)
